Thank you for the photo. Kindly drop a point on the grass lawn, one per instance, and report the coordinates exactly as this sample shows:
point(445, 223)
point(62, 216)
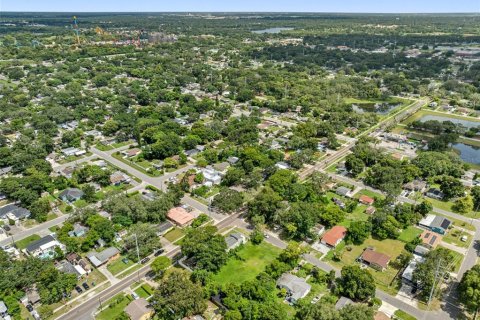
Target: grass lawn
point(254, 260)
point(459, 223)
point(135, 165)
point(457, 259)
point(356, 215)
point(129, 271)
point(22, 244)
point(409, 234)
point(118, 266)
point(54, 228)
point(444, 205)
point(144, 291)
point(370, 194)
point(383, 279)
point(453, 236)
point(103, 147)
point(115, 307)
point(402, 315)
point(174, 234)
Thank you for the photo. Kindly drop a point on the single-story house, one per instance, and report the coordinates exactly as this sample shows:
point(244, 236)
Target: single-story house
point(221, 167)
point(132, 152)
point(33, 296)
point(71, 194)
point(211, 176)
point(282, 165)
point(421, 251)
point(72, 151)
point(334, 236)
point(139, 309)
point(66, 267)
point(100, 258)
point(180, 216)
point(191, 152)
point(73, 257)
point(370, 210)
point(296, 287)
point(44, 247)
point(234, 240)
point(434, 194)
point(67, 172)
point(78, 230)
point(430, 239)
point(13, 212)
point(118, 177)
point(342, 302)
point(416, 185)
point(435, 223)
point(407, 274)
point(366, 200)
point(164, 227)
point(343, 191)
point(374, 259)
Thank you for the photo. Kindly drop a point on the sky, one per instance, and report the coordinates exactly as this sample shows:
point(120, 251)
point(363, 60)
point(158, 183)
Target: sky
point(373, 6)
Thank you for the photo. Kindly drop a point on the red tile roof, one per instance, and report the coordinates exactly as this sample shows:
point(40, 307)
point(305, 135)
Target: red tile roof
point(366, 199)
point(180, 216)
point(332, 236)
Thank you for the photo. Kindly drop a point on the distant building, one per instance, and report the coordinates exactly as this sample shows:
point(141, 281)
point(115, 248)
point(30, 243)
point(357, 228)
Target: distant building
point(370, 210)
point(132, 152)
point(334, 236)
point(164, 227)
point(180, 216)
point(366, 200)
point(78, 230)
point(416, 185)
point(100, 258)
point(66, 267)
point(44, 248)
point(297, 288)
point(343, 191)
point(282, 165)
point(435, 223)
point(430, 239)
point(435, 194)
point(374, 259)
point(234, 240)
point(13, 212)
point(139, 309)
point(71, 194)
point(118, 177)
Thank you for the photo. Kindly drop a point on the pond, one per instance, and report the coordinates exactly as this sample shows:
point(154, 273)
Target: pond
point(272, 30)
point(466, 123)
point(379, 108)
point(468, 153)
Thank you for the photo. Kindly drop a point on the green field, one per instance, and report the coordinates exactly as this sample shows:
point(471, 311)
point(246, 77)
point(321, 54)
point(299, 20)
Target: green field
point(115, 307)
point(254, 259)
point(22, 244)
point(409, 234)
point(118, 265)
point(144, 291)
point(402, 315)
point(174, 234)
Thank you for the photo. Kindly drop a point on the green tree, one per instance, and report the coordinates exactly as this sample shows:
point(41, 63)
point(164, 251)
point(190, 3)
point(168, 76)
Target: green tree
point(40, 209)
point(177, 297)
point(464, 205)
point(469, 289)
point(358, 232)
point(207, 248)
point(160, 264)
point(451, 187)
point(228, 200)
point(356, 283)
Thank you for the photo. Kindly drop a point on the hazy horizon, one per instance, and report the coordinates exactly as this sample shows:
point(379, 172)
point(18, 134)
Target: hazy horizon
point(247, 6)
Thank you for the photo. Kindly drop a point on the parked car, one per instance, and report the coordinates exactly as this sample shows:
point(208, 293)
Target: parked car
point(29, 307)
point(150, 274)
point(78, 289)
point(6, 228)
point(125, 260)
point(135, 296)
point(159, 252)
point(144, 260)
point(85, 286)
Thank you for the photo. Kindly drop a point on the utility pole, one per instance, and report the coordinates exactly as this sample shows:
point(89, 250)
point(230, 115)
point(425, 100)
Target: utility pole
point(434, 280)
point(136, 244)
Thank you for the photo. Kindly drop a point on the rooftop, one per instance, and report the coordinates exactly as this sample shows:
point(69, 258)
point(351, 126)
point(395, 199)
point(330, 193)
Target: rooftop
point(138, 308)
point(180, 216)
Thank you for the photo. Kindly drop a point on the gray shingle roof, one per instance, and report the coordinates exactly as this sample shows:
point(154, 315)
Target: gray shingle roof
point(40, 242)
point(19, 212)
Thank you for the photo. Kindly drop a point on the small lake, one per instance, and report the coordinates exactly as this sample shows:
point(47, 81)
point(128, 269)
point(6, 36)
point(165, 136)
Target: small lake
point(468, 153)
point(378, 108)
point(272, 30)
point(466, 123)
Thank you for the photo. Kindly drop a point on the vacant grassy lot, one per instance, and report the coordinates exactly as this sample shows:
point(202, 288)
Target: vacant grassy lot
point(118, 265)
point(22, 244)
point(402, 315)
point(174, 234)
point(115, 307)
point(409, 234)
point(144, 291)
point(254, 258)
point(369, 193)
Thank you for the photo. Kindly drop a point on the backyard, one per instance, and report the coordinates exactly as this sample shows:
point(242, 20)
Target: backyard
point(254, 259)
point(22, 244)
